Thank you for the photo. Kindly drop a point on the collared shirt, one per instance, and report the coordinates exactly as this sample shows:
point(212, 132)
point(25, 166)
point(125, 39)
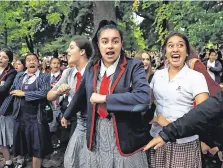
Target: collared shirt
point(175, 97)
point(32, 78)
point(1, 71)
point(69, 77)
point(211, 64)
point(110, 70)
point(55, 74)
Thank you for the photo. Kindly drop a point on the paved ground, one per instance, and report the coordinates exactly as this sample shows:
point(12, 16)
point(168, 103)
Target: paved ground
point(55, 160)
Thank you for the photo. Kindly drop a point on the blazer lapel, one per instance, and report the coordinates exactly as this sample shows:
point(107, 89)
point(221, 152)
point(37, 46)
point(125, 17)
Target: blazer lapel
point(118, 73)
point(95, 76)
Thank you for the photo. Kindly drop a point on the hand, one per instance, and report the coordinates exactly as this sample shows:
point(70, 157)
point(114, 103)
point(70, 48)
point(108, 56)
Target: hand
point(156, 141)
point(64, 122)
point(97, 98)
point(204, 148)
point(220, 156)
point(213, 150)
point(161, 120)
point(63, 89)
point(19, 93)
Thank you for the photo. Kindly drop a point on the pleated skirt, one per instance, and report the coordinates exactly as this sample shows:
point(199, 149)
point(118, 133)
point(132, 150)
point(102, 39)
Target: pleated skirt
point(173, 155)
point(76, 152)
point(6, 130)
point(104, 153)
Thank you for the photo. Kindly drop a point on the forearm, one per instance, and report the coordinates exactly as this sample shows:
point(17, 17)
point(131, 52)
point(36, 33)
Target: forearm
point(52, 95)
point(195, 121)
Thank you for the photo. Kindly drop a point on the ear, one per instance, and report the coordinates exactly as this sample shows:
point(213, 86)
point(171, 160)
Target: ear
point(82, 52)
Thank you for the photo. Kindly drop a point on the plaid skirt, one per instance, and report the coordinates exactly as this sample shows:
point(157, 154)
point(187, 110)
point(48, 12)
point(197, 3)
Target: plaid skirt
point(76, 152)
point(173, 155)
point(104, 153)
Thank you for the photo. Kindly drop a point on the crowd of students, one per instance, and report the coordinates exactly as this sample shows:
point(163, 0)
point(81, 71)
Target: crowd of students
point(107, 105)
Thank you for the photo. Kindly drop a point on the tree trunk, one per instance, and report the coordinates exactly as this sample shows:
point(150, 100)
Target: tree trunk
point(29, 43)
point(5, 36)
point(103, 10)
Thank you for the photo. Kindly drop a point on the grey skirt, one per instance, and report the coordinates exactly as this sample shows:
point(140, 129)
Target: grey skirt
point(173, 155)
point(6, 130)
point(104, 153)
point(76, 152)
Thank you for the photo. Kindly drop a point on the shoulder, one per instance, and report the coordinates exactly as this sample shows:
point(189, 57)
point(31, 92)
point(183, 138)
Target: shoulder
point(217, 62)
point(160, 72)
point(194, 75)
point(131, 61)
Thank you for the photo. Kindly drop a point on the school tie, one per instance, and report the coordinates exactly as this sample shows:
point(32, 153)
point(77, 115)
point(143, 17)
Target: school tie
point(102, 111)
point(53, 79)
point(78, 80)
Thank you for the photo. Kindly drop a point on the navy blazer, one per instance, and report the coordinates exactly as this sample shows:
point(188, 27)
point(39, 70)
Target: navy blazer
point(8, 78)
point(43, 87)
point(129, 97)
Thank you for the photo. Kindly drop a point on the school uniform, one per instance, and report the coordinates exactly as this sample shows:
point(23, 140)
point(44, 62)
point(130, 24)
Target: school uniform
point(31, 136)
point(214, 70)
point(6, 122)
point(115, 139)
point(174, 98)
point(76, 152)
point(54, 78)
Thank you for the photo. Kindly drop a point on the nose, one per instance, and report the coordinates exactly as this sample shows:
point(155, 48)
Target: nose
point(110, 45)
point(175, 48)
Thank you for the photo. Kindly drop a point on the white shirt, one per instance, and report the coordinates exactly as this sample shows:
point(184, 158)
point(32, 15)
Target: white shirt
point(175, 98)
point(211, 64)
point(69, 77)
point(110, 70)
point(1, 71)
point(55, 74)
point(32, 78)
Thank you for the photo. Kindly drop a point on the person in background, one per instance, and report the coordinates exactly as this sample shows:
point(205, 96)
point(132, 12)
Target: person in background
point(146, 59)
point(7, 75)
point(115, 94)
point(55, 76)
point(214, 67)
point(31, 135)
point(79, 52)
point(46, 66)
point(175, 88)
point(20, 65)
point(220, 59)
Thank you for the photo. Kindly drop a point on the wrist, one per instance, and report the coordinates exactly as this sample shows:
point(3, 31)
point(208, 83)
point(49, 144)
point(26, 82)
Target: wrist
point(164, 136)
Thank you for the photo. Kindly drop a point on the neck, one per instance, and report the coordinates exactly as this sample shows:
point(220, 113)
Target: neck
point(81, 64)
point(54, 71)
point(174, 70)
point(211, 61)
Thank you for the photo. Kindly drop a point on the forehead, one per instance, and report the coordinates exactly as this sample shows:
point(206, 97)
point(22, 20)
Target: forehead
point(31, 57)
point(18, 61)
point(109, 34)
point(213, 53)
point(145, 55)
point(73, 43)
point(175, 39)
point(55, 60)
point(2, 53)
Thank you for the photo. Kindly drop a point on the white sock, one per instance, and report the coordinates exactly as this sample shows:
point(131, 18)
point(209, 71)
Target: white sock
point(8, 162)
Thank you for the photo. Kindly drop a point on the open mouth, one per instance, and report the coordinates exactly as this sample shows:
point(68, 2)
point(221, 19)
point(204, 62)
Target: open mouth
point(175, 58)
point(32, 66)
point(110, 53)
